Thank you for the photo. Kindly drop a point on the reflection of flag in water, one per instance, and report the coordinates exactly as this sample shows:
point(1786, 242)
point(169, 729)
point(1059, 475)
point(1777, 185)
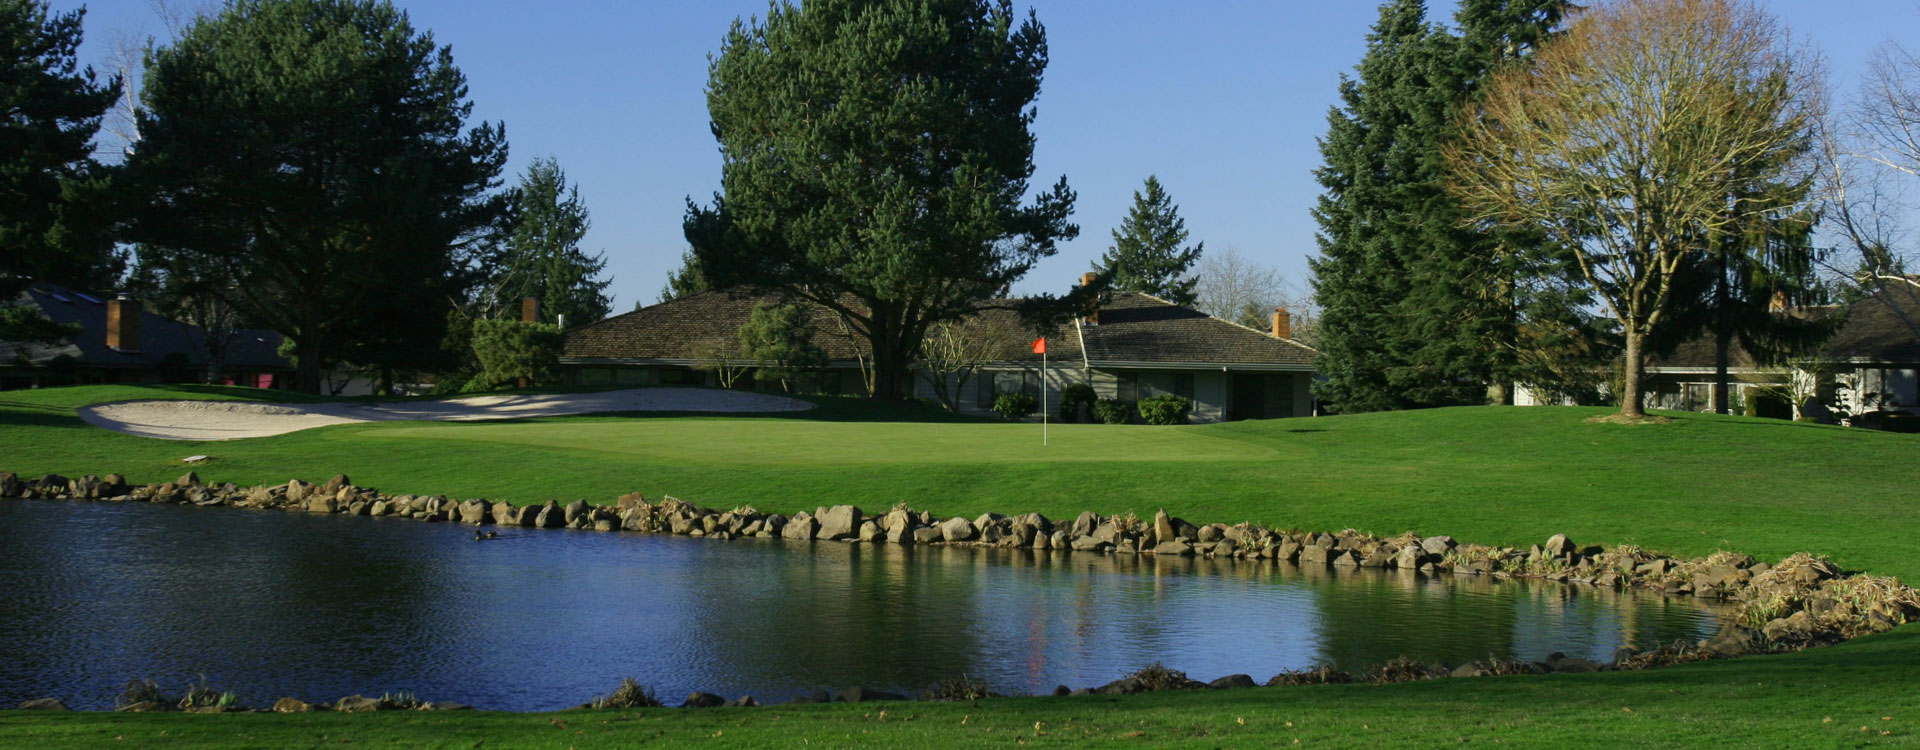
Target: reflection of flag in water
point(1040, 345)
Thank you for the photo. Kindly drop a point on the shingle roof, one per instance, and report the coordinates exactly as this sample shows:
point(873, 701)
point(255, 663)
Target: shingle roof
point(159, 336)
point(1133, 328)
point(1872, 331)
point(1137, 327)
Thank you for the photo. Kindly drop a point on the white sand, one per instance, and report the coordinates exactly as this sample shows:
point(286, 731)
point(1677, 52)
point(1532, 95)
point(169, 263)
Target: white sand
point(231, 420)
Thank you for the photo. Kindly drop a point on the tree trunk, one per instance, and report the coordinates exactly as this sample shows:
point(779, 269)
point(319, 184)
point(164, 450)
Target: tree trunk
point(1722, 352)
point(1632, 388)
point(1722, 337)
point(306, 377)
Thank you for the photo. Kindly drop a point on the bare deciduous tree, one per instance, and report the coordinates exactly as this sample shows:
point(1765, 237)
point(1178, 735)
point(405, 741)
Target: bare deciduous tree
point(1627, 139)
point(722, 357)
point(1237, 288)
point(1868, 159)
point(958, 350)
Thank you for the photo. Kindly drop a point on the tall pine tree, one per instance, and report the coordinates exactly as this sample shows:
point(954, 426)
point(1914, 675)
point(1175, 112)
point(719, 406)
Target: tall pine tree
point(543, 255)
point(1146, 255)
point(1417, 308)
point(47, 175)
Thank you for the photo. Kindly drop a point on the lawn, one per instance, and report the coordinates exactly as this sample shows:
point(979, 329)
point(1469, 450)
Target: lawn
point(1493, 475)
point(1864, 693)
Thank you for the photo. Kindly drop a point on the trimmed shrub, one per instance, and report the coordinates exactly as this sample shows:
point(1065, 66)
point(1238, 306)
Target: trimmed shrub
point(1072, 398)
point(1165, 409)
point(1015, 406)
point(1113, 411)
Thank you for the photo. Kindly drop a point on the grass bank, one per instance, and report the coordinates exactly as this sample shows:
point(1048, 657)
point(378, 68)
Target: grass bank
point(1863, 693)
point(1490, 475)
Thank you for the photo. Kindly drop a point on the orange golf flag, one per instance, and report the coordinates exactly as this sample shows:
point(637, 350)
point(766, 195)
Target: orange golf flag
point(1040, 345)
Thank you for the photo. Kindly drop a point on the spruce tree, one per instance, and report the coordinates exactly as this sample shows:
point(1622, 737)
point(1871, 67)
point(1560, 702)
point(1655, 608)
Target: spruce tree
point(1417, 308)
point(1146, 255)
point(543, 256)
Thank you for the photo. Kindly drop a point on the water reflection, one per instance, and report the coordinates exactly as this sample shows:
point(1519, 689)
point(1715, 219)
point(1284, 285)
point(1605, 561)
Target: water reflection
point(272, 603)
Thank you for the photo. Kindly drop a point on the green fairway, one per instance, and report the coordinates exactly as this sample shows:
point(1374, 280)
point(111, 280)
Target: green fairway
point(1864, 693)
point(1492, 475)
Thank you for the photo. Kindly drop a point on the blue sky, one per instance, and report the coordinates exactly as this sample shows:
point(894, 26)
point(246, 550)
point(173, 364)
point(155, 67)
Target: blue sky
point(1223, 99)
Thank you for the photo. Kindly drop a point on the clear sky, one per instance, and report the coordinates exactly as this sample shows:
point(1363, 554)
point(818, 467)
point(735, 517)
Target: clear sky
point(1223, 99)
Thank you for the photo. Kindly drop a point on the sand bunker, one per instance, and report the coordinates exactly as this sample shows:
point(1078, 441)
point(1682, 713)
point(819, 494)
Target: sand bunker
point(230, 420)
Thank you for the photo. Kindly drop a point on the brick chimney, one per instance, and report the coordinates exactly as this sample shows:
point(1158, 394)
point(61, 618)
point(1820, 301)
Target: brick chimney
point(1093, 306)
point(529, 310)
point(1282, 323)
point(123, 324)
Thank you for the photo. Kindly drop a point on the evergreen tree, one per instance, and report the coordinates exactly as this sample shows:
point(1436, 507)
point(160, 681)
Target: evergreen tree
point(349, 233)
point(1146, 255)
point(50, 188)
point(543, 256)
point(1765, 261)
point(1418, 308)
point(690, 279)
point(876, 163)
point(779, 339)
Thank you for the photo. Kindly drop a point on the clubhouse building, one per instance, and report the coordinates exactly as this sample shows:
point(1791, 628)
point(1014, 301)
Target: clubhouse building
point(1132, 347)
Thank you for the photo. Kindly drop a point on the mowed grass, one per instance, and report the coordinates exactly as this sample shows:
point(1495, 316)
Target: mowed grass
point(1864, 693)
point(1492, 475)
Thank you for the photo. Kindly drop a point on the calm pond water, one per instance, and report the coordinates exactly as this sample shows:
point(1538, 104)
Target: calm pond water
point(271, 604)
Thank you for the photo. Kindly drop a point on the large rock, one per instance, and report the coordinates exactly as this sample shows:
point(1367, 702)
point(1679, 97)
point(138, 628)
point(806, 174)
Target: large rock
point(551, 516)
point(1558, 546)
point(292, 706)
point(801, 526)
point(870, 532)
point(575, 511)
point(630, 501)
point(1436, 545)
point(899, 521)
point(1233, 681)
point(503, 514)
point(1173, 548)
point(703, 700)
point(956, 529)
point(336, 483)
point(322, 504)
point(839, 522)
point(354, 704)
point(474, 512)
point(1163, 526)
point(10, 485)
point(1084, 524)
point(297, 491)
point(927, 535)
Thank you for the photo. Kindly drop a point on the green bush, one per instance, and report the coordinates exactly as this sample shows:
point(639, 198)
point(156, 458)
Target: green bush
point(511, 349)
point(1072, 397)
point(1165, 409)
point(1015, 406)
point(1113, 411)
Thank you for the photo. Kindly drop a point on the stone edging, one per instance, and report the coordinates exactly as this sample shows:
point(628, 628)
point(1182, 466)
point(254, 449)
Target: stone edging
point(1798, 602)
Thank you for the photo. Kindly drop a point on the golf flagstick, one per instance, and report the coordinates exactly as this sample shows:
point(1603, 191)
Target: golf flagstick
point(1040, 348)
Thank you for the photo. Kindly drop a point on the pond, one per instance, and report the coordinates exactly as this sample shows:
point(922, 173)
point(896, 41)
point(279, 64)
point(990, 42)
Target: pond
point(270, 604)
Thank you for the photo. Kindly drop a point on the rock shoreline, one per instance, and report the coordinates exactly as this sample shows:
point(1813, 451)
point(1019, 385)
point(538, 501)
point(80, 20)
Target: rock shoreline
point(1795, 603)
